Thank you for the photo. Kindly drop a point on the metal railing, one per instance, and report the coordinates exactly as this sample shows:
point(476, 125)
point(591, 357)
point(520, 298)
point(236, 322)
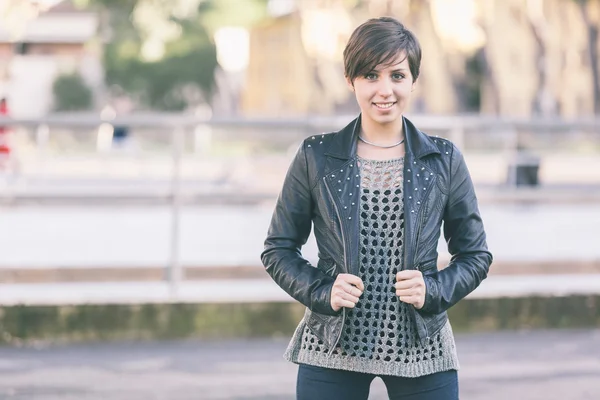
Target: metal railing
point(177, 128)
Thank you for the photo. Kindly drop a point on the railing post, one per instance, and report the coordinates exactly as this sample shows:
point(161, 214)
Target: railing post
point(42, 136)
point(175, 268)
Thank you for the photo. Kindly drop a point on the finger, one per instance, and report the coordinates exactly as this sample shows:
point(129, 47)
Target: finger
point(408, 292)
point(349, 297)
point(353, 280)
point(345, 303)
point(407, 274)
point(353, 290)
point(406, 284)
point(409, 299)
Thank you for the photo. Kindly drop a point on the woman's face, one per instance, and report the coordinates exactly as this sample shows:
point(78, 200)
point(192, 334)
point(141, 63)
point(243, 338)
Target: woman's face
point(383, 93)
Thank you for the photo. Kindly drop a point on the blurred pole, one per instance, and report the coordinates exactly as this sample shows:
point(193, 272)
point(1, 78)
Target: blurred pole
point(202, 139)
point(42, 135)
point(512, 151)
point(458, 135)
point(175, 269)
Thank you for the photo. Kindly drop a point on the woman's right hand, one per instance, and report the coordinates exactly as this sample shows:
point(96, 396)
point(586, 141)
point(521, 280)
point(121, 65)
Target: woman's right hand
point(346, 290)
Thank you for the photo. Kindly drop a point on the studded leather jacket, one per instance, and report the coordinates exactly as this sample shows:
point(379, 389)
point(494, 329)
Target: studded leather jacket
point(321, 189)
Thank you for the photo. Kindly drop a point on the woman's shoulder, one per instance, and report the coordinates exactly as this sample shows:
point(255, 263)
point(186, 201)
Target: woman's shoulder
point(443, 144)
point(320, 140)
point(316, 146)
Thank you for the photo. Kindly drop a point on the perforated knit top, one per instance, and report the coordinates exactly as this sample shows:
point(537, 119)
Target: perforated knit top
point(379, 336)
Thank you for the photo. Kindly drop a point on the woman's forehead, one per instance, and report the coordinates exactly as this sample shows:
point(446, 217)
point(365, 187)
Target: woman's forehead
point(398, 61)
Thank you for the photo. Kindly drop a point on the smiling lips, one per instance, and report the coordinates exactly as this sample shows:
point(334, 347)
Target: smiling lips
point(384, 106)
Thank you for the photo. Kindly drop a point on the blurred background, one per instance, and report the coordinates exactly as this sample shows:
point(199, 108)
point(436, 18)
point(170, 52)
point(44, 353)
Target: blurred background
point(143, 144)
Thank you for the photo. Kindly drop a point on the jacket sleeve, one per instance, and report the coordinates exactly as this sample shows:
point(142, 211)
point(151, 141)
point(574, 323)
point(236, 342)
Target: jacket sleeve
point(466, 239)
point(288, 232)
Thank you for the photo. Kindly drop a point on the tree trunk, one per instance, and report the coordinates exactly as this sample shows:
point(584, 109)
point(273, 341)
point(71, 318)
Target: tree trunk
point(592, 31)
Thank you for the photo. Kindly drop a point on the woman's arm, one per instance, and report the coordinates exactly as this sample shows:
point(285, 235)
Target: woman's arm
point(290, 227)
point(466, 239)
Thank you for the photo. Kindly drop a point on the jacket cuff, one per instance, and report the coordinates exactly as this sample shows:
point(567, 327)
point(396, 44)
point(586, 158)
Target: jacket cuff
point(431, 296)
point(323, 304)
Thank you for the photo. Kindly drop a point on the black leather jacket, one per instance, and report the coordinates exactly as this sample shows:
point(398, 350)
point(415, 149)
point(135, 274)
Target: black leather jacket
point(322, 187)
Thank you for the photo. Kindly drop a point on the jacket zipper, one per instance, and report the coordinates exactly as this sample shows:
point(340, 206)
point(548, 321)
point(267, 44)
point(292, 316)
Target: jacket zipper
point(345, 262)
point(417, 316)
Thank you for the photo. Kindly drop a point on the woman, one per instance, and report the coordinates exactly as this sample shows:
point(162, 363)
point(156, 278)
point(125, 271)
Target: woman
point(377, 193)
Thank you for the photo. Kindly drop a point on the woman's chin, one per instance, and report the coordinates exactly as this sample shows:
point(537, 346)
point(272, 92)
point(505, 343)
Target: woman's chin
point(385, 119)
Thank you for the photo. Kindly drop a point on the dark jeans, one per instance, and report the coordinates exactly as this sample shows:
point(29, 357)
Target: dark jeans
point(316, 383)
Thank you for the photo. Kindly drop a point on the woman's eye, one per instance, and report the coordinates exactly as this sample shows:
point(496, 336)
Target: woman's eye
point(371, 76)
point(397, 77)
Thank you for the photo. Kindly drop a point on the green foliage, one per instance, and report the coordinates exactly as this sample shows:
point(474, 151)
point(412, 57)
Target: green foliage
point(188, 66)
point(184, 76)
point(216, 13)
point(71, 93)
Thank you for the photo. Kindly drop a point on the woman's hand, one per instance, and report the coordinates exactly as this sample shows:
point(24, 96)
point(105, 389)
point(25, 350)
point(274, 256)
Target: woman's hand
point(410, 288)
point(346, 290)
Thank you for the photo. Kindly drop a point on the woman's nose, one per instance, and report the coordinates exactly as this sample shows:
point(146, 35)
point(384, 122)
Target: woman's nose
point(385, 88)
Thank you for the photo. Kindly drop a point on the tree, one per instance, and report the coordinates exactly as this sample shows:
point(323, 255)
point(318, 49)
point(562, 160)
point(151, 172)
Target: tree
point(182, 71)
point(591, 20)
point(71, 93)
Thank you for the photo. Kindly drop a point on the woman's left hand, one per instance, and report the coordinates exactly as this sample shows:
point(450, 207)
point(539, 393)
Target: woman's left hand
point(410, 288)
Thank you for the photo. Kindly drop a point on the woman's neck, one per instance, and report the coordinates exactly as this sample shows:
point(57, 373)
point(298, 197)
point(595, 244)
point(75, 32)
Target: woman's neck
point(382, 134)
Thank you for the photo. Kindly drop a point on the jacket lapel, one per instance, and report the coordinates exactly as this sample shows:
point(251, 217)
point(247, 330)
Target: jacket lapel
point(343, 184)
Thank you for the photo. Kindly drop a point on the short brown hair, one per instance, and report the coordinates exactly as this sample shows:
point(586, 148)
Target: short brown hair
point(378, 41)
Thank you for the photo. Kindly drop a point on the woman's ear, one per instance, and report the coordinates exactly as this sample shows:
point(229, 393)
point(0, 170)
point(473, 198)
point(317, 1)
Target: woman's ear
point(350, 84)
point(414, 85)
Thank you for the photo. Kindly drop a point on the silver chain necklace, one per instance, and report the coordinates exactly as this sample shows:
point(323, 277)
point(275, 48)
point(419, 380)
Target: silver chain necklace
point(379, 145)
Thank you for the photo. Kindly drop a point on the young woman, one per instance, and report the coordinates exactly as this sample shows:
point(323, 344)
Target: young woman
point(376, 193)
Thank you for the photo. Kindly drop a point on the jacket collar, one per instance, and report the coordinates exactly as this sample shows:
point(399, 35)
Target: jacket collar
point(343, 144)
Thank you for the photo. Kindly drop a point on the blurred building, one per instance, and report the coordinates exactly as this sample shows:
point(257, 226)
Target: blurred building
point(34, 52)
point(506, 57)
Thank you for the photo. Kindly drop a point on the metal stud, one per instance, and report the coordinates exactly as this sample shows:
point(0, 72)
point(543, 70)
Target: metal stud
point(409, 197)
point(349, 217)
point(309, 146)
point(426, 179)
point(350, 194)
point(321, 142)
point(348, 178)
point(431, 173)
point(339, 181)
point(418, 175)
point(351, 165)
point(409, 170)
point(333, 176)
point(447, 153)
point(409, 181)
point(313, 138)
point(412, 211)
point(345, 207)
point(414, 162)
point(357, 185)
point(341, 170)
point(424, 188)
point(339, 190)
point(352, 203)
point(416, 189)
point(418, 202)
point(357, 176)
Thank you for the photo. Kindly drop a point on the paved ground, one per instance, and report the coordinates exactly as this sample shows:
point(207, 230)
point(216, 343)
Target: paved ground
point(541, 365)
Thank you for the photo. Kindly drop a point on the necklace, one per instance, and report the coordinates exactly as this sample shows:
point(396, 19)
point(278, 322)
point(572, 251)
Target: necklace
point(379, 145)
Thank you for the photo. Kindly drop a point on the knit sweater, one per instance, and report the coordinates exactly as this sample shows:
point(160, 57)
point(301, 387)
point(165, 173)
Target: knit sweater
point(379, 336)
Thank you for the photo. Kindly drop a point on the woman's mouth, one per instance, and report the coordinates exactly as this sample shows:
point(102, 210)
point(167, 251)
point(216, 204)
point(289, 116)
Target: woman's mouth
point(384, 106)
